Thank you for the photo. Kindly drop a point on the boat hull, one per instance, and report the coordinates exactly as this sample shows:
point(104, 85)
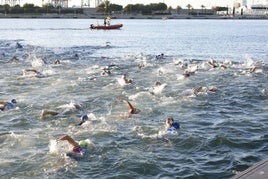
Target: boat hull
point(110, 27)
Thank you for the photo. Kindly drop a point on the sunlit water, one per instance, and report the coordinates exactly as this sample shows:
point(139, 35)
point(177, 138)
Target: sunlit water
point(222, 132)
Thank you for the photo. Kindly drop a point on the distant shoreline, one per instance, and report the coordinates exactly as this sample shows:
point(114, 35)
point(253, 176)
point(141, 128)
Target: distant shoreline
point(138, 16)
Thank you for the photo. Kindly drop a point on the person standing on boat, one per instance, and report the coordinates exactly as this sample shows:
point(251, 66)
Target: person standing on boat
point(108, 19)
point(104, 22)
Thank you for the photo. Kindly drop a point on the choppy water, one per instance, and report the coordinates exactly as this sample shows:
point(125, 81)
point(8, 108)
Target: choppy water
point(222, 132)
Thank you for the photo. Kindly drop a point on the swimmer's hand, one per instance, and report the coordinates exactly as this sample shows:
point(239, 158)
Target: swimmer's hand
point(119, 100)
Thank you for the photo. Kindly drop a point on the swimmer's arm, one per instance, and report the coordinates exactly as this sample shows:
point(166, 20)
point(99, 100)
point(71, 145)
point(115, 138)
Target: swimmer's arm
point(2, 108)
point(2, 105)
point(196, 90)
point(131, 109)
point(77, 106)
point(31, 70)
point(48, 112)
point(70, 140)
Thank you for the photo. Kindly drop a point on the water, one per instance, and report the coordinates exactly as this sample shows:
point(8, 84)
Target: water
point(221, 133)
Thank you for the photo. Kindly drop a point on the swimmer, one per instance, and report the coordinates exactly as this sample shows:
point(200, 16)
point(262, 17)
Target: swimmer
point(213, 64)
point(159, 57)
point(256, 69)
point(204, 89)
point(172, 126)
point(157, 84)
point(158, 88)
point(32, 73)
point(46, 113)
point(141, 66)
point(79, 148)
point(194, 92)
point(4, 105)
point(13, 59)
point(74, 56)
point(18, 45)
point(124, 77)
point(84, 118)
point(251, 71)
point(182, 64)
point(131, 109)
point(212, 89)
point(105, 71)
point(264, 92)
point(57, 61)
point(67, 108)
point(188, 73)
point(123, 81)
point(108, 44)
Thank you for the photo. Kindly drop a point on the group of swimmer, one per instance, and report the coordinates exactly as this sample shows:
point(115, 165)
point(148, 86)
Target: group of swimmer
point(170, 124)
point(81, 147)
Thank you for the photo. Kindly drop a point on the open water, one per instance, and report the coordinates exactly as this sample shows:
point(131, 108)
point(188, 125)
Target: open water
point(221, 133)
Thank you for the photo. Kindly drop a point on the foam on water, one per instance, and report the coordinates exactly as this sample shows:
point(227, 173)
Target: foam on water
point(53, 146)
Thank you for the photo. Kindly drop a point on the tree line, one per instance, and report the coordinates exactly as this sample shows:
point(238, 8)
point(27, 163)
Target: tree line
point(105, 7)
point(32, 9)
point(158, 8)
point(108, 8)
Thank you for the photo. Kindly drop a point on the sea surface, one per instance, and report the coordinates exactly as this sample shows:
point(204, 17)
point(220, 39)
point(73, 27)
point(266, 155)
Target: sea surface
point(222, 132)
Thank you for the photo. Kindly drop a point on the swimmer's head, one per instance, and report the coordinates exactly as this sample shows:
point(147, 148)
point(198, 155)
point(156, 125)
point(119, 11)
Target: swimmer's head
point(84, 118)
point(211, 60)
point(157, 83)
point(212, 88)
point(13, 101)
point(83, 144)
point(169, 120)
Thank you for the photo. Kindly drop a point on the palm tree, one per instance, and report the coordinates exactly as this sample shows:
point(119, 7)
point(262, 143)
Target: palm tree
point(107, 6)
point(189, 6)
point(178, 9)
point(104, 7)
point(202, 7)
point(7, 8)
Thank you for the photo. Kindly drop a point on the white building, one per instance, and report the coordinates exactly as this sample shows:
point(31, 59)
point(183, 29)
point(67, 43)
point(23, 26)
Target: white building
point(63, 3)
